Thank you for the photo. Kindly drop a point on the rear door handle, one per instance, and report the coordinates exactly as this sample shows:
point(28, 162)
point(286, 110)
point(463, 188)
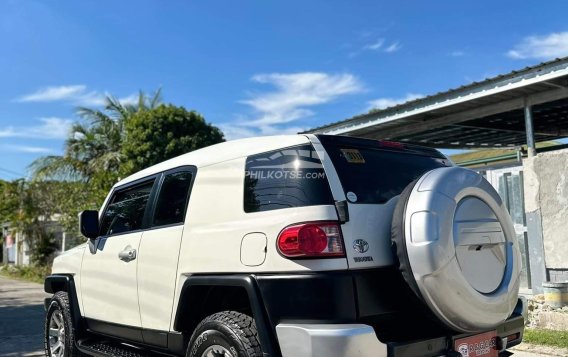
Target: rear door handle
point(128, 254)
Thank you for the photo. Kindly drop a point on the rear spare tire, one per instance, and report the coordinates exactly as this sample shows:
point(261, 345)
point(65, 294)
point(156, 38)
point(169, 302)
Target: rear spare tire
point(457, 248)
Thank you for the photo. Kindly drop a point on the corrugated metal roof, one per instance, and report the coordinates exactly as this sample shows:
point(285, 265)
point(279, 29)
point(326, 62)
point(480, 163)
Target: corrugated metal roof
point(539, 84)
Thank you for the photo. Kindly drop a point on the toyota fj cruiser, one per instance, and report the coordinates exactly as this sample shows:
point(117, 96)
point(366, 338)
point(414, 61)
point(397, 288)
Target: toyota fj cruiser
point(292, 246)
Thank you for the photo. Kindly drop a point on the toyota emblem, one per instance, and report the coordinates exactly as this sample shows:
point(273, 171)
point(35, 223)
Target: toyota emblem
point(360, 245)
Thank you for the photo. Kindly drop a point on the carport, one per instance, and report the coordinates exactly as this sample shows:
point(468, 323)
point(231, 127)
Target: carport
point(521, 107)
point(507, 111)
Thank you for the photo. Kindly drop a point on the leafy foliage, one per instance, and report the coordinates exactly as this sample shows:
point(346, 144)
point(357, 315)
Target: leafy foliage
point(93, 149)
point(165, 132)
point(39, 209)
point(105, 145)
point(36, 273)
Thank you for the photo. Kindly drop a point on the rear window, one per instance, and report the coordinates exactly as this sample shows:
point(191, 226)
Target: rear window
point(370, 173)
point(290, 177)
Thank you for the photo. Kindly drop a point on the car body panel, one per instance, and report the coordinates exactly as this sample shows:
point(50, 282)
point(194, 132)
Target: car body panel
point(109, 285)
point(157, 269)
point(69, 263)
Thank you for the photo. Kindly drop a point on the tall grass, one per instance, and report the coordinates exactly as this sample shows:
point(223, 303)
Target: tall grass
point(546, 337)
point(33, 273)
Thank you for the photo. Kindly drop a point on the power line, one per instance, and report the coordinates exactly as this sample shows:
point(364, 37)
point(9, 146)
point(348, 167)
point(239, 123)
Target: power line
point(12, 173)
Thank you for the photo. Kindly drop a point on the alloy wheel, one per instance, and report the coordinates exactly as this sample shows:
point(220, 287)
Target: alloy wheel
point(56, 337)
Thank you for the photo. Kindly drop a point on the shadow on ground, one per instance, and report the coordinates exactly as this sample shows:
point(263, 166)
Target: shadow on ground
point(21, 330)
point(21, 318)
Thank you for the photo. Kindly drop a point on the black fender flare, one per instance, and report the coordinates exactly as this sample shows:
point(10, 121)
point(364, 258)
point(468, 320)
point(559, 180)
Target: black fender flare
point(266, 332)
point(57, 282)
point(63, 282)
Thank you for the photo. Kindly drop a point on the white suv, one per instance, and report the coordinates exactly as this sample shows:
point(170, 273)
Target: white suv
point(293, 246)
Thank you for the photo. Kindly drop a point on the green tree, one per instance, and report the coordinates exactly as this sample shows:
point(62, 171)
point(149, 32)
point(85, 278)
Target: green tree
point(164, 132)
point(9, 200)
point(62, 186)
point(93, 149)
point(32, 208)
point(105, 145)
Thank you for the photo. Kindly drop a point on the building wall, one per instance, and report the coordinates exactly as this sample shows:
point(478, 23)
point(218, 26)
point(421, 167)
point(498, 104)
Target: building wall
point(546, 199)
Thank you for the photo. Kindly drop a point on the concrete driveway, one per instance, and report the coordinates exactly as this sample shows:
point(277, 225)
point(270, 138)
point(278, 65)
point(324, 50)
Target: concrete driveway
point(527, 350)
point(22, 315)
point(530, 354)
point(21, 318)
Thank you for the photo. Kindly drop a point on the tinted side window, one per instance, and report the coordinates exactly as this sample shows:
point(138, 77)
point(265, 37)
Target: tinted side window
point(291, 177)
point(172, 199)
point(125, 211)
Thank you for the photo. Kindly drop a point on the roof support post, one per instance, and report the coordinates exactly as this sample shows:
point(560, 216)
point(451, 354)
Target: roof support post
point(531, 147)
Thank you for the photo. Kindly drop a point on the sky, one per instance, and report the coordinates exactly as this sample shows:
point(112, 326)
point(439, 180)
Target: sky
point(251, 67)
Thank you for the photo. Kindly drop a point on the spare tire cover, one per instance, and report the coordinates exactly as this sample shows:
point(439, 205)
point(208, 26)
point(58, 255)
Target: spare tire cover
point(457, 248)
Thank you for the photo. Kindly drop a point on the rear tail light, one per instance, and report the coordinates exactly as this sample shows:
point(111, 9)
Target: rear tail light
point(314, 239)
point(391, 144)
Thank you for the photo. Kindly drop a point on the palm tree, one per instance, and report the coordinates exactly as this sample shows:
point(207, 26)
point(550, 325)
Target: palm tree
point(93, 148)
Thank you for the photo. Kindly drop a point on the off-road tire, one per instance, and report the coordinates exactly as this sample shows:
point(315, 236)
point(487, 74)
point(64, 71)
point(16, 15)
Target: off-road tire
point(234, 331)
point(60, 302)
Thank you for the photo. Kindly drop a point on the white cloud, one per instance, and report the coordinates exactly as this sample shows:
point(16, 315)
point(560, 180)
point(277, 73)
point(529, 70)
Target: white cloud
point(236, 130)
point(131, 99)
point(378, 46)
point(457, 53)
point(541, 47)
point(375, 46)
point(74, 94)
point(382, 103)
point(50, 128)
point(52, 94)
point(92, 98)
point(393, 47)
point(97, 99)
point(295, 92)
point(294, 96)
point(27, 149)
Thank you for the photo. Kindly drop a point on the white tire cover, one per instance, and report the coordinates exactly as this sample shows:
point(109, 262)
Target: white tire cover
point(462, 249)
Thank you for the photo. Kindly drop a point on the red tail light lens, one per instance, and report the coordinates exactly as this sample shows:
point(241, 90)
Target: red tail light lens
point(391, 144)
point(314, 239)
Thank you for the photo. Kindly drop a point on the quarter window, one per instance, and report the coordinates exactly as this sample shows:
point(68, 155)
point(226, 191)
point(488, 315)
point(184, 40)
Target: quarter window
point(290, 177)
point(172, 200)
point(125, 211)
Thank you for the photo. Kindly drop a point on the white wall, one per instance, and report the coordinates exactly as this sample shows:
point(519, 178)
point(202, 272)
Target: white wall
point(546, 194)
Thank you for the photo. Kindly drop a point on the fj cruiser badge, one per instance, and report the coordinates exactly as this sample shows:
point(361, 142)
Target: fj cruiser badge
point(360, 245)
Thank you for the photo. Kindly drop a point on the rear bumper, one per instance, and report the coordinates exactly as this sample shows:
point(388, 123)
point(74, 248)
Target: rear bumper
point(307, 340)
point(347, 340)
point(359, 313)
